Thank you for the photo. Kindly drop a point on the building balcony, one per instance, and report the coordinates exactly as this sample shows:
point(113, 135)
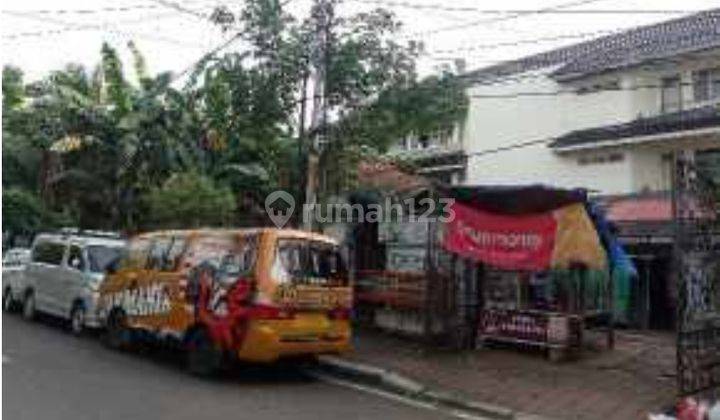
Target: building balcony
point(697, 128)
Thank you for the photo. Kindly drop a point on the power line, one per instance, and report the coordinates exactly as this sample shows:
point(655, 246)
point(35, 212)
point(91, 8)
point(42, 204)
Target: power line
point(445, 8)
point(207, 55)
point(470, 24)
point(512, 146)
point(101, 10)
point(550, 93)
point(102, 27)
point(176, 6)
point(527, 41)
point(575, 91)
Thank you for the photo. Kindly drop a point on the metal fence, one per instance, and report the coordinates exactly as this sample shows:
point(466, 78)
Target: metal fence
point(697, 256)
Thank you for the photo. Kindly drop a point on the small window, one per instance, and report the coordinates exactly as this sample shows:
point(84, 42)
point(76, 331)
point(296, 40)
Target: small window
point(102, 257)
point(706, 84)
point(137, 253)
point(601, 158)
point(75, 258)
point(671, 94)
point(48, 253)
point(176, 251)
point(159, 251)
point(308, 262)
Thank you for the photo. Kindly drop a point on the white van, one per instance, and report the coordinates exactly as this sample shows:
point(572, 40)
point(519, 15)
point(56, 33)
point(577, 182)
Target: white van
point(64, 275)
point(13, 276)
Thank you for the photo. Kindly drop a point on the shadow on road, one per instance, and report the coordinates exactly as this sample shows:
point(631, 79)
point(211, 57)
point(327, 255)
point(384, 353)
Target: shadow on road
point(170, 359)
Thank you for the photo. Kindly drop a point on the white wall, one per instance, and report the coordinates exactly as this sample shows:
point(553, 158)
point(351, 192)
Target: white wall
point(497, 122)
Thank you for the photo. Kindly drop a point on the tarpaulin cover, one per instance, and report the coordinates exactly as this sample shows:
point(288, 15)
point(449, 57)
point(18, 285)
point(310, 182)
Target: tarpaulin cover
point(560, 237)
point(514, 199)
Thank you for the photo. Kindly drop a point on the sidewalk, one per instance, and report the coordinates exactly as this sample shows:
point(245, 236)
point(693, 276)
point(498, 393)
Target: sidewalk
point(627, 383)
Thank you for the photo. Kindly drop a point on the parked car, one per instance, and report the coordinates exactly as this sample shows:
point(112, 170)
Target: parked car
point(64, 275)
point(13, 277)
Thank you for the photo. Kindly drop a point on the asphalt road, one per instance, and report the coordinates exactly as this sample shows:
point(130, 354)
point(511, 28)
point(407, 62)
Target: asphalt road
point(49, 374)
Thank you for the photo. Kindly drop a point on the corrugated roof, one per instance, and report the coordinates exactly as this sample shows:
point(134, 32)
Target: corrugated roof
point(697, 32)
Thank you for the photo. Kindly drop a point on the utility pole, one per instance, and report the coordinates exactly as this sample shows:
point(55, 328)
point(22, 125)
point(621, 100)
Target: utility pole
point(322, 14)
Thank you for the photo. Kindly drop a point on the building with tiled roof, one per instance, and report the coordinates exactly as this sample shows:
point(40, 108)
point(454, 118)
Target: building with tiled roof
point(605, 115)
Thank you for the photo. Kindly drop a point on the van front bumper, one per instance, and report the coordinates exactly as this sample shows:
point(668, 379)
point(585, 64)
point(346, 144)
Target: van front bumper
point(269, 341)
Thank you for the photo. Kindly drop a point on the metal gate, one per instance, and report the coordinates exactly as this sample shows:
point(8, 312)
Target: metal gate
point(698, 281)
point(454, 293)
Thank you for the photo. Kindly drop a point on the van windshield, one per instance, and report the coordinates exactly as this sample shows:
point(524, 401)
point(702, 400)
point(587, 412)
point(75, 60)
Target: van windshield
point(309, 262)
point(100, 257)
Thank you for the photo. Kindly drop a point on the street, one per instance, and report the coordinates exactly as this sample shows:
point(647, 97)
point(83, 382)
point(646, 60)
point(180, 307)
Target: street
point(49, 374)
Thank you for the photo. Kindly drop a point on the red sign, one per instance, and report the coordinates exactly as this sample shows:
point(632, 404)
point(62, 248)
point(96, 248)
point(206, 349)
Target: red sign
point(514, 242)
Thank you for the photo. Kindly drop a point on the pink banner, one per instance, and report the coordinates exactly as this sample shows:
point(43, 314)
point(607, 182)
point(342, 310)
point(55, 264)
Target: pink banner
point(513, 242)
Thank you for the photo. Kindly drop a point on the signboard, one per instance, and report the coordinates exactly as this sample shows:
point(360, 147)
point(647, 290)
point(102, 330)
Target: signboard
point(404, 258)
point(515, 242)
point(513, 324)
point(530, 327)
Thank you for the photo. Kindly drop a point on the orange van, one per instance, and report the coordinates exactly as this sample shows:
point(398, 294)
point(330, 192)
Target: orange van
point(257, 295)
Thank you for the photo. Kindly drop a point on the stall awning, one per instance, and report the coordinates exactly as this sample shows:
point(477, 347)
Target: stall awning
point(523, 228)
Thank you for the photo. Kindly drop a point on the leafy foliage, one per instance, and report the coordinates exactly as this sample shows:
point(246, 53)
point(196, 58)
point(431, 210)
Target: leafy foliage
point(21, 210)
point(190, 200)
point(12, 88)
point(124, 153)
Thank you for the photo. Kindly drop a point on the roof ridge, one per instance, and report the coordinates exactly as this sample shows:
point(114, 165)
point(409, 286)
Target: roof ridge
point(579, 59)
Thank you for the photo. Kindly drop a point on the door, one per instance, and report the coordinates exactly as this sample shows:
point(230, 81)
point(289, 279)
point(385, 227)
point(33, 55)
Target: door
point(11, 269)
point(71, 278)
point(159, 281)
point(44, 273)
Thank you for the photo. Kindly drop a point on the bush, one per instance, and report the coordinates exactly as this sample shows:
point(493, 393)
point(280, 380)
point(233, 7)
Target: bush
point(190, 200)
point(22, 211)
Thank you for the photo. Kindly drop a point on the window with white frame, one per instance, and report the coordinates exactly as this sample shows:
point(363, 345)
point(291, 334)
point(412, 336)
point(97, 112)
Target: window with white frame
point(706, 84)
point(671, 94)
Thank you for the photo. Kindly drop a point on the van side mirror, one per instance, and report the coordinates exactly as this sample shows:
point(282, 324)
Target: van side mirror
point(75, 263)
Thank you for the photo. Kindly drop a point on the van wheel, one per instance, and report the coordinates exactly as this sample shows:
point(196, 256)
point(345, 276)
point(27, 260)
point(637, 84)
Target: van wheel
point(77, 320)
point(8, 304)
point(204, 358)
point(29, 306)
point(117, 333)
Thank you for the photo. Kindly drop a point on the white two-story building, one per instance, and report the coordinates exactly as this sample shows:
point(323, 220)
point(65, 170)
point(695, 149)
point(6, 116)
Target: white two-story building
point(605, 115)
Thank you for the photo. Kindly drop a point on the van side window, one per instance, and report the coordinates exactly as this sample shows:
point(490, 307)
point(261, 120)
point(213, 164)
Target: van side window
point(242, 260)
point(137, 253)
point(48, 253)
point(75, 258)
point(157, 257)
point(176, 251)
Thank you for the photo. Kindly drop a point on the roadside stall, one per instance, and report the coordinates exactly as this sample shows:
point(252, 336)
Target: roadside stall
point(545, 272)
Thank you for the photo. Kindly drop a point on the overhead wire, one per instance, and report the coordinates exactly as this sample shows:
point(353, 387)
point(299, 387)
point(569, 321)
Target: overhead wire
point(180, 8)
point(512, 16)
point(478, 10)
point(112, 9)
point(529, 41)
point(69, 27)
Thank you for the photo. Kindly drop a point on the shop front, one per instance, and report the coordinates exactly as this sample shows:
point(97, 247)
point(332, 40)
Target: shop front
point(545, 264)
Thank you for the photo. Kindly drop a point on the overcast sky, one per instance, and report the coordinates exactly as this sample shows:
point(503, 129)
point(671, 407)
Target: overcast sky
point(43, 35)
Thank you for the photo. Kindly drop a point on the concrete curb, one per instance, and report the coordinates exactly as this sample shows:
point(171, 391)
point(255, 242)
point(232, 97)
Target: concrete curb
point(396, 383)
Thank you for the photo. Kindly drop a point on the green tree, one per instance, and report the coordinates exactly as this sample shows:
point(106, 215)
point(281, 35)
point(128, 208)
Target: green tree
point(190, 200)
point(105, 141)
point(12, 88)
point(21, 210)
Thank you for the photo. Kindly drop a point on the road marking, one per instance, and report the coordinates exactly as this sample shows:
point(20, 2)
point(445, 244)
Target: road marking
point(395, 397)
